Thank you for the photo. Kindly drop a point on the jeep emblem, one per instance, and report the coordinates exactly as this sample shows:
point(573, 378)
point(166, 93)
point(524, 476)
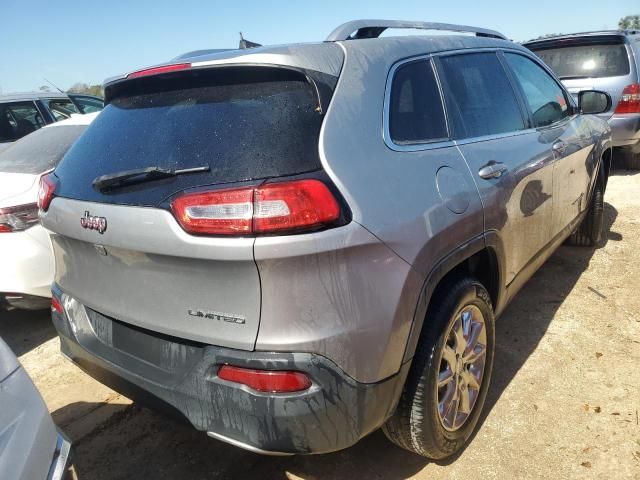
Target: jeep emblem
point(93, 223)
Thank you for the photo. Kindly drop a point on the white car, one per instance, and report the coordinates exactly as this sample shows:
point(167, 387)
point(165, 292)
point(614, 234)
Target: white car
point(26, 256)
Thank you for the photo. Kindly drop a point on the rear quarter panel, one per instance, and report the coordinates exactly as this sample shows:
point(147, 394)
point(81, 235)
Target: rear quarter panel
point(394, 196)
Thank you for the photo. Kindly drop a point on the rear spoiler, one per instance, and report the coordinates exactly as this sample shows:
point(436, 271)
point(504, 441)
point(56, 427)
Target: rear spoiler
point(553, 42)
point(187, 75)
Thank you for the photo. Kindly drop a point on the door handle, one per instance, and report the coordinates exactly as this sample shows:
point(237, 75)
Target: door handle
point(492, 170)
point(559, 147)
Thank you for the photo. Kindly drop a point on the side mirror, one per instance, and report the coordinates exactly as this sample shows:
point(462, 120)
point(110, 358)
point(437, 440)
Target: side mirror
point(593, 101)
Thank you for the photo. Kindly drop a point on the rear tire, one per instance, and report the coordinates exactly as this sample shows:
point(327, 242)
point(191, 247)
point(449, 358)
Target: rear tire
point(420, 422)
point(589, 232)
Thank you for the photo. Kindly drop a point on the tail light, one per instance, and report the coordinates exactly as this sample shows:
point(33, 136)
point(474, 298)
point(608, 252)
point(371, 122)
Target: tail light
point(272, 381)
point(271, 208)
point(21, 217)
point(158, 70)
point(630, 101)
point(48, 185)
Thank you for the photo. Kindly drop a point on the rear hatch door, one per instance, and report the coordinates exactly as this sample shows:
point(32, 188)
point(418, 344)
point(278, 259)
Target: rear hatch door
point(134, 262)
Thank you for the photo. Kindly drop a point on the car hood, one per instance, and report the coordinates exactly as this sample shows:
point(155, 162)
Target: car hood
point(18, 188)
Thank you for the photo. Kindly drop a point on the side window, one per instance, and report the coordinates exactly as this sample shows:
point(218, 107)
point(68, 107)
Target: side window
point(18, 119)
point(89, 105)
point(480, 99)
point(416, 114)
point(62, 109)
point(546, 99)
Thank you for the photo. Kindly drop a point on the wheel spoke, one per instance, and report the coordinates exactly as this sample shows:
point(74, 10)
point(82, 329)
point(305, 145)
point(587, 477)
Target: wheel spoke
point(478, 352)
point(471, 380)
point(449, 356)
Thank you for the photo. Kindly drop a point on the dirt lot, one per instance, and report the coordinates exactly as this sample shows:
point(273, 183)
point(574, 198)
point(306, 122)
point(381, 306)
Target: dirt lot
point(564, 402)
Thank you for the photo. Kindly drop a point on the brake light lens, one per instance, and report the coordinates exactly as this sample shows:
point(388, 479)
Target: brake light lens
point(47, 188)
point(270, 381)
point(271, 208)
point(20, 217)
point(158, 70)
point(630, 101)
point(56, 306)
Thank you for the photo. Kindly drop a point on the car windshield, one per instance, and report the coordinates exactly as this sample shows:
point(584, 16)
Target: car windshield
point(39, 151)
point(586, 61)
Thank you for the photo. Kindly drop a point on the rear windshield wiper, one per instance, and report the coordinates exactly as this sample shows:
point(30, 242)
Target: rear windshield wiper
point(140, 175)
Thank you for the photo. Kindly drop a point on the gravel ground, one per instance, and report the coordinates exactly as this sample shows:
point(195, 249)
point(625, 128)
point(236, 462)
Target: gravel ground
point(564, 402)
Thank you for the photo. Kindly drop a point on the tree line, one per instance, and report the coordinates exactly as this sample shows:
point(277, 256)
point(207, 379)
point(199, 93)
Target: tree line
point(630, 22)
point(79, 87)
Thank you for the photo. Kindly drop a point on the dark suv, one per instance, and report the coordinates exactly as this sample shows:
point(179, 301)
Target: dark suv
point(293, 246)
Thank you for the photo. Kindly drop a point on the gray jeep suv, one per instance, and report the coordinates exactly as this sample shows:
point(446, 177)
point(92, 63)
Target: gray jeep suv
point(293, 246)
point(608, 61)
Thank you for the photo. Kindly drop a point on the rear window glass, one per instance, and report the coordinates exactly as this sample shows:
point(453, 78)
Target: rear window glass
point(416, 114)
point(586, 61)
point(241, 132)
point(39, 151)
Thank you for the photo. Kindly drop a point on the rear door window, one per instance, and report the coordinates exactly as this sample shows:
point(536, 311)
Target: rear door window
point(241, 131)
point(586, 61)
point(547, 100)
point(416, 114)
point(18, 119)
point(480, 99)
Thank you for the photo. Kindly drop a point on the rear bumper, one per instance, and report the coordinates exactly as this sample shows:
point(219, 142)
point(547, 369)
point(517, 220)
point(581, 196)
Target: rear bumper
point(27, 262)
point(625, 129)
point(181, 376)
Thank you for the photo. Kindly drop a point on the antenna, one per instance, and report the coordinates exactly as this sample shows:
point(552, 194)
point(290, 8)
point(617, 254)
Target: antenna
point(246, 43)
point(54, 85)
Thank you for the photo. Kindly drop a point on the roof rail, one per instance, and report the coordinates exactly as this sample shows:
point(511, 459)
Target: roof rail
point(357, 29)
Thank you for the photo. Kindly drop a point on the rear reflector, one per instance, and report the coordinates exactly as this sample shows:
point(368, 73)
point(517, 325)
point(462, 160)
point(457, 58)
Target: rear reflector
point(47, 188)
point(159, 70)
point(630, 100)
point(272, 381)
point(271, 208)
point(56, 306)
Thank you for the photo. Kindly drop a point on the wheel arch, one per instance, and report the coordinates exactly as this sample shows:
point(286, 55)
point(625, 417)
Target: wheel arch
point(481, 258)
